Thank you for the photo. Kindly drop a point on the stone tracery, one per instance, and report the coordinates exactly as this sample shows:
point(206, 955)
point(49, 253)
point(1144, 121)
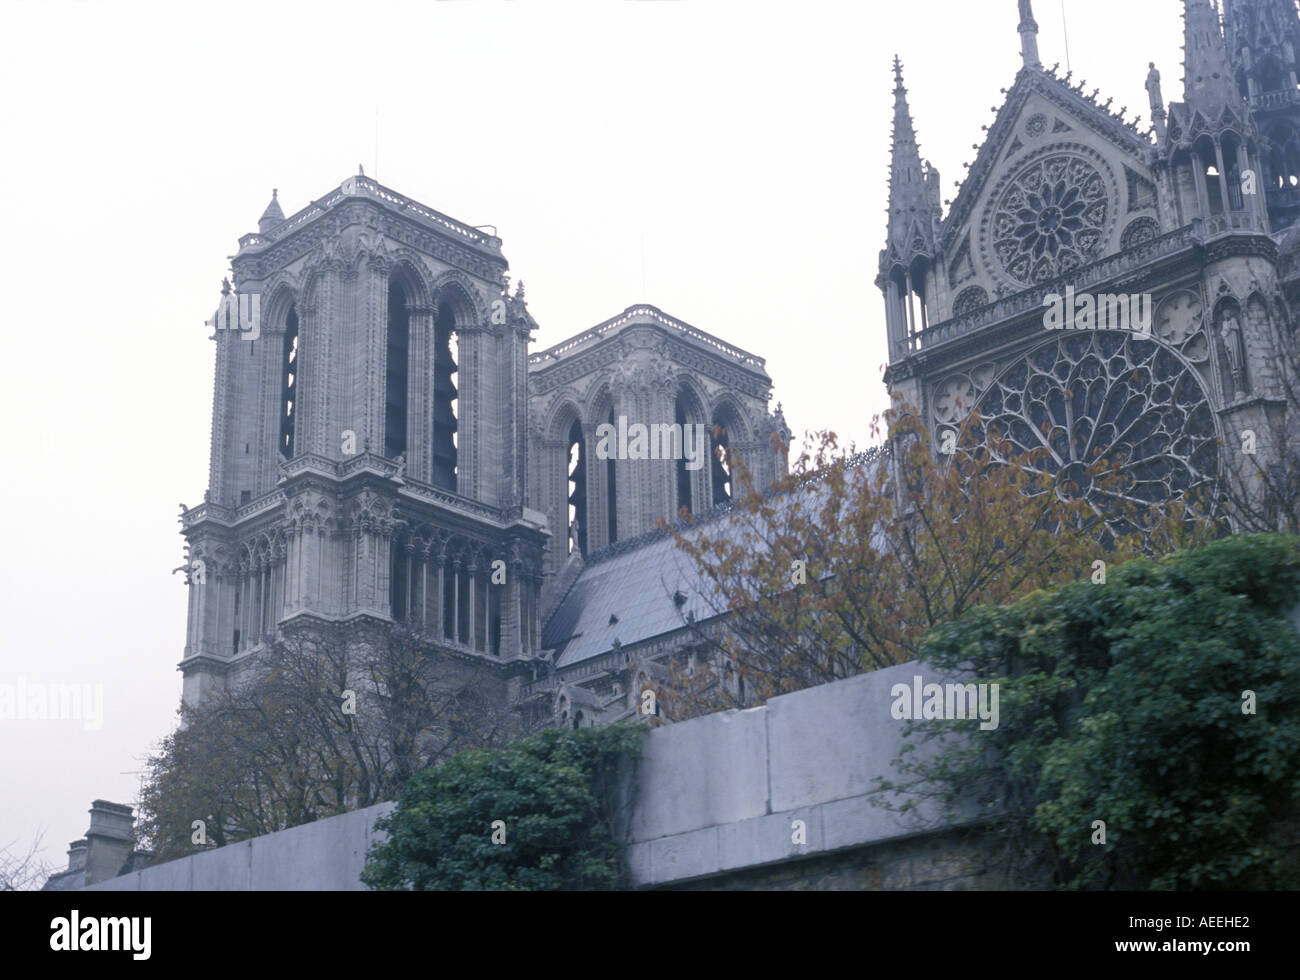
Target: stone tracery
point(1108, 396)
point(1050, 219)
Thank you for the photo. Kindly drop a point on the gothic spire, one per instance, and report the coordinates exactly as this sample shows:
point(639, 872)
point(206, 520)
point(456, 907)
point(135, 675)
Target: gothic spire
point(272, 216)
point(1208, 83)
point(1263, 41)
point(1028, 35)
point(911, 208)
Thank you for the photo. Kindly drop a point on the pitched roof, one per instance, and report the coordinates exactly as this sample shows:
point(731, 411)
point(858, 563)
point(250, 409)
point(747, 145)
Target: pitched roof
point(630, 592)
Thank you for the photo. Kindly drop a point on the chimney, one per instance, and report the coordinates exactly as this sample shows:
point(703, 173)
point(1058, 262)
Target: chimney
point(77, 855)
point(109, 841)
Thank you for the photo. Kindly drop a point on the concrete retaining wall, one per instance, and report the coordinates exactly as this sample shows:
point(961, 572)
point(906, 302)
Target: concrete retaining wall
point(713, 797)
point(327, 855)
point(722, 793)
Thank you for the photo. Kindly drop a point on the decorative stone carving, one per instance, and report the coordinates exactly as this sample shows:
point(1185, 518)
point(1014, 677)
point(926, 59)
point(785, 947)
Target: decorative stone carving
point(1106, 395)
point(1051, 218)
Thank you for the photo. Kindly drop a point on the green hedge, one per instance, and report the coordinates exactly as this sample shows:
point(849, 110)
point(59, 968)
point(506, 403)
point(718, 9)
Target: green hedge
point(1123, 702)
point(557, 796)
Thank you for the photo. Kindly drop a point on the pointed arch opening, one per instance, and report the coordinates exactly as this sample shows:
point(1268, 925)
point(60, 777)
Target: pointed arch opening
point(289, 383)
point(446, 397)
point(611, 494)
point(397, 367)
point(720, 466)
point(577, 488)
point(687, 410)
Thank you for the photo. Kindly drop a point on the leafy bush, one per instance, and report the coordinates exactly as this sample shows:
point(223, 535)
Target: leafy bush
point(558, 794)
point(1125, 702)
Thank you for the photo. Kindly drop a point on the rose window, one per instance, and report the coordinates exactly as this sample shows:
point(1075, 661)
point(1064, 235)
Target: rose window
point(1051, 219)
point(1111, 397)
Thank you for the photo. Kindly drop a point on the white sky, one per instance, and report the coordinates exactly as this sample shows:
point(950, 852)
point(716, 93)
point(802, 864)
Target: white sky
point(746, 143)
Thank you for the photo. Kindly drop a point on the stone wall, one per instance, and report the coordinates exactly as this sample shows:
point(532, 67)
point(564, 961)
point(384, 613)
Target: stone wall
point(327, 855)
point(786, 781)
point(957, 860)
point(770, 797)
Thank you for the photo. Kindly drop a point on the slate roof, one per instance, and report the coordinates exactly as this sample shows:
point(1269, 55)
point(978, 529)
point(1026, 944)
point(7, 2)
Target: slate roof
point(626, 592)
point(65, 881)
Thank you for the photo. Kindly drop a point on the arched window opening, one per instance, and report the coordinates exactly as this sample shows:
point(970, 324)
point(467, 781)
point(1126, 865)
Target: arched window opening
point(494, 620)
point(721, 465)
point(1236, 199)
point(577, 721)
point(1213, 189)
point(238, 589)
point(919, 313)
point(683, 474)
point(289, 383)
point(577, 456)
point(399, 339)
point(449, 591)
point(611, 496)
point(445, 398)
point(463, 608)
point(399, 580)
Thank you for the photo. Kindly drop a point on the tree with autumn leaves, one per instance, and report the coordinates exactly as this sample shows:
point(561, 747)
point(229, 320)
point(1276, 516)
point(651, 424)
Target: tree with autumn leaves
point(846, 563)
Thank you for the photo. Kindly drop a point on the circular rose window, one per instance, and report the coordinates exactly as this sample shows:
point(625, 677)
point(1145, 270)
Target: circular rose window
point(1051, 218)
point(1114, 397)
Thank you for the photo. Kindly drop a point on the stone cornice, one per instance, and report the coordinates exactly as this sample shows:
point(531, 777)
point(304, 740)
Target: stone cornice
point(360, 200)
point(645, 315)
point(1057, 91)
point(1138, 262)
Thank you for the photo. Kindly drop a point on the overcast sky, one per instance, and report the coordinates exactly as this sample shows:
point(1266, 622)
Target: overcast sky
point(725, 161)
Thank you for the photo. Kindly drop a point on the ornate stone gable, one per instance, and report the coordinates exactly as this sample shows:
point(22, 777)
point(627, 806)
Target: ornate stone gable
point(1060, 182)
point(1039, 108)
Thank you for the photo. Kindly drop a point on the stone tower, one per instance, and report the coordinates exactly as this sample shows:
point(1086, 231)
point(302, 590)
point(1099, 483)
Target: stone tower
point(1263, 39)
point(369, 446)
point(1066, 199)
point(653, 370)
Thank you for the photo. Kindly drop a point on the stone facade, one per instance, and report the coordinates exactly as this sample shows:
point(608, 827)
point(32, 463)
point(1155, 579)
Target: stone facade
point(384, 449)
point(1067, 198)
point(651, 369)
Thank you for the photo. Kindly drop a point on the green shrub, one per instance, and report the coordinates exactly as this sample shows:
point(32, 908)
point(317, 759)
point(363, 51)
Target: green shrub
point(1123, 702)
point(557, 794)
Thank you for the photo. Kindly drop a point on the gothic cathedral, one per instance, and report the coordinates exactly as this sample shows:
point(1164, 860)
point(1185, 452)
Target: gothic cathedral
point(1189, 226)
point(385, 449)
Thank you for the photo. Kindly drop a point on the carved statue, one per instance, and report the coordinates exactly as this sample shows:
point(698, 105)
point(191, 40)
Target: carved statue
point(1234, 346)
point(1153, 88)
point(400, 461)
point(1026, 10)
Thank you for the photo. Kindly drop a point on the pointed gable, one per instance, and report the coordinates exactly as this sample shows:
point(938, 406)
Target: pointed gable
point(1055, 185)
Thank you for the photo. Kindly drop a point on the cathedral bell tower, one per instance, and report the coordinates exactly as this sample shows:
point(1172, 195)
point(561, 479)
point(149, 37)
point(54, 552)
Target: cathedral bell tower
point(1263, 37)
point(368, 451)
point(1211, 153)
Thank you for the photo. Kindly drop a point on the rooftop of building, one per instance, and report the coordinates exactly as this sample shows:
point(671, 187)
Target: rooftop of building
point(273, 228)
point(646, 587)
point(640, 315)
